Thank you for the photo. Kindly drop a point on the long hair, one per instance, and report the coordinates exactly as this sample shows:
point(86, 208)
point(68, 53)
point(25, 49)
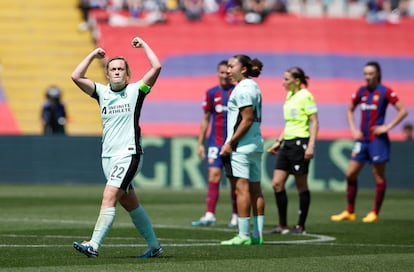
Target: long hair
point(253, 66)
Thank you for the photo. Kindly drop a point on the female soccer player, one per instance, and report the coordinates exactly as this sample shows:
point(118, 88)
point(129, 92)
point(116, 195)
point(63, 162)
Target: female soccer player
point(120, 105)
point(243, 148)
point(215, 109)
point(372, 144)
point(296, 147)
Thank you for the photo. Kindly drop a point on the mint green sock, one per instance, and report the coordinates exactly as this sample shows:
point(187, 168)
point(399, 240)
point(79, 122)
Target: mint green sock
point(258, 223)
point(102, 226)
point(244, 227)
point(143, 225)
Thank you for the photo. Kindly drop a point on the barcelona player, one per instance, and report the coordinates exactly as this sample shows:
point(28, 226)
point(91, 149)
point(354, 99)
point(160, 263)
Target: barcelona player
point(215, 110)
point(372, 143)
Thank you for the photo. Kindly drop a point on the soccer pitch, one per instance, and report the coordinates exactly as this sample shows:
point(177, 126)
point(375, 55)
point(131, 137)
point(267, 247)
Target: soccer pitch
point(39, 223)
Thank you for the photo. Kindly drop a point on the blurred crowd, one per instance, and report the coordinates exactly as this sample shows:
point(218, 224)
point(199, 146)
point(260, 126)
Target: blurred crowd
point(145, 12)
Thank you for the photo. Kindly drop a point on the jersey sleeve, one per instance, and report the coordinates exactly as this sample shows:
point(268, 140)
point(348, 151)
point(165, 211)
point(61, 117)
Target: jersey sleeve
point(392, 96)
point(310, 104)
point(207, 105)
point(356, 97)
point(244, 97)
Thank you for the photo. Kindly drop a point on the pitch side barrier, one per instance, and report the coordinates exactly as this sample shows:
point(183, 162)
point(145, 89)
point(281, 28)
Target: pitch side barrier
point(173, 163)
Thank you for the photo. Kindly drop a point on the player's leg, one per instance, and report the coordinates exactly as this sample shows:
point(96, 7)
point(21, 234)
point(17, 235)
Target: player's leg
point(378, 170)
point(379, 150)
point(360, 155)
point(142, 223)
point(111, 194)
point(278, 183)
point(234, 214)
point(280, 175)
point(238, 167)
point(301, 181)
point(103, 223)
point(354, 167)
point(213, 187)
point(257, 199)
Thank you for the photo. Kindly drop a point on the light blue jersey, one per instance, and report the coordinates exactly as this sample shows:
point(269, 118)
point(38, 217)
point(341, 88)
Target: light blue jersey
point(246, 93)
point(120, 112)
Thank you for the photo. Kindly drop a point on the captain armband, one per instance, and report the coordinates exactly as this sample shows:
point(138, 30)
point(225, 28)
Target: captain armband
point(144, 87)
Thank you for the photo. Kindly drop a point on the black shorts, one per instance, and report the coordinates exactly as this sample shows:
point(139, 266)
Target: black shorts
point(291, 156)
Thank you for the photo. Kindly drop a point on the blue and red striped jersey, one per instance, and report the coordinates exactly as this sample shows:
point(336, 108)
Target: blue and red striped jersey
point(373, 105)
point(215, 101)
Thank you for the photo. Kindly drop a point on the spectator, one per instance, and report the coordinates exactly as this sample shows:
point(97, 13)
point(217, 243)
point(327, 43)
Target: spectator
point(140, 12)
point(193, 9)
point(86, 6)
point(257, 10)
point(408, 132)
point(376, 11)
point(53, 112)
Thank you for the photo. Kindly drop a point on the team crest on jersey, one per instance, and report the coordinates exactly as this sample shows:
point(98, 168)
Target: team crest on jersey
point(375, 98)
point(124, 95)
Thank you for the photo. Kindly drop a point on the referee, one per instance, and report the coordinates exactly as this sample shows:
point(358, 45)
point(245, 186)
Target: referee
point(295, 147)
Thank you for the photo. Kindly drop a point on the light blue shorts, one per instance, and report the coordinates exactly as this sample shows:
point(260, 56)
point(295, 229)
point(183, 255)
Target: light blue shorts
point(121, 170)
point(247, 166)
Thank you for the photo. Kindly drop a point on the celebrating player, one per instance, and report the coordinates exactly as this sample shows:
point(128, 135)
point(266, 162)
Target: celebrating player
point(120, 105)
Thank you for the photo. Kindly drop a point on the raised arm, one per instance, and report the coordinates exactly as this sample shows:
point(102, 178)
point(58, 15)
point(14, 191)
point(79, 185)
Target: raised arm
point(78, 75)
point(151, 76)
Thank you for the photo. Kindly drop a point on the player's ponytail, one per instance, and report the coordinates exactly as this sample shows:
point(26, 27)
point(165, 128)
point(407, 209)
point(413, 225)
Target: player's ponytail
point(253, 67)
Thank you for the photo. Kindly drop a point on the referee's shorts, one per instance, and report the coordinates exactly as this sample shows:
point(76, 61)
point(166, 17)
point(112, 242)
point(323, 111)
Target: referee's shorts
point(291, 156)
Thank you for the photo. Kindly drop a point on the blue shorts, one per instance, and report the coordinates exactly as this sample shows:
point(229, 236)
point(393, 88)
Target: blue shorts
point(213, 156)
point(375, 151)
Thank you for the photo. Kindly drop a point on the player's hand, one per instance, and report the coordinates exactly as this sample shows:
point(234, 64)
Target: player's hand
point(225, 150)
point(201, 152)
point(137, 42)
point(274, 148)
point(357, 134)
point(378, 130)
point(99, 53)
point(308, 154)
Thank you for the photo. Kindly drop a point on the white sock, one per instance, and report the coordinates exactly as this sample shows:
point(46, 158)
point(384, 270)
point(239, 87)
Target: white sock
point(102, 226)
point(258, 222)
point(244, 227)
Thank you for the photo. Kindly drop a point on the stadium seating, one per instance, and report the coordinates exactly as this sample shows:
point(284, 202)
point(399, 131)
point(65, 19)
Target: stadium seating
point(40, 46)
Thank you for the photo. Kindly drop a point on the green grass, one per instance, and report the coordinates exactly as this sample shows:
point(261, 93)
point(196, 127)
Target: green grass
point(38, 224)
